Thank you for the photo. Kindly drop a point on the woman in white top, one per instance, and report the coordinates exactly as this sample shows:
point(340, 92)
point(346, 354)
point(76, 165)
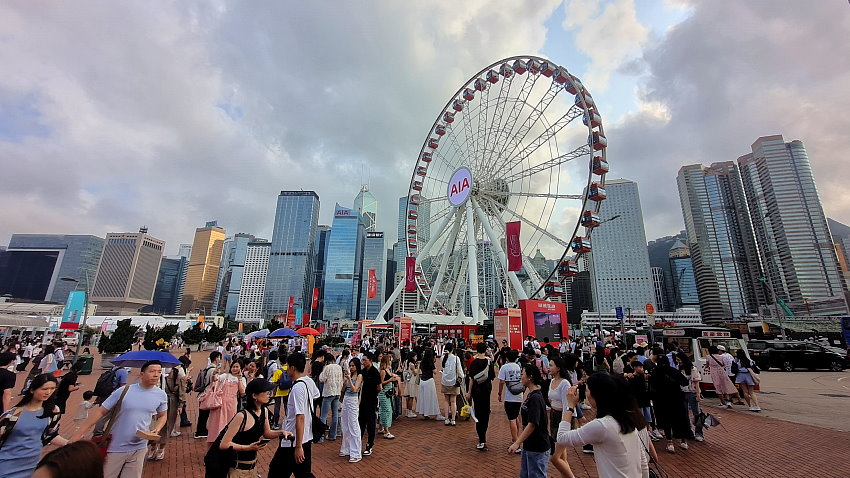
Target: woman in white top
point(411, 382)
point(618, 434)
point(557, 396)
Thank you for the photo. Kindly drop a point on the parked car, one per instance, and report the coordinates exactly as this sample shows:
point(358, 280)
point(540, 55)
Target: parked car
point(793, 354)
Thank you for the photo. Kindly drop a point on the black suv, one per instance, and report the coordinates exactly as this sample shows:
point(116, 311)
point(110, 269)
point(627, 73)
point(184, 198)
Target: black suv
point(791, 354)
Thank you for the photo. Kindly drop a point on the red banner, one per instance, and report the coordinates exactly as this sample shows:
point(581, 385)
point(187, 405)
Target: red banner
point(410, 275)
point(315, 302)
point(514, 251)
point(289, 309)
point(372, 285)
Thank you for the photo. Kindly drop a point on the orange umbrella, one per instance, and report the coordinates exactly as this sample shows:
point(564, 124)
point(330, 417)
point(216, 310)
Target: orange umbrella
point(307, 331)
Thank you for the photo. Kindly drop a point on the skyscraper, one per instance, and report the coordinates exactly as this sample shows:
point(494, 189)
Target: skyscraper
point(167, 294)
point(619, 262)
point(374, 258)
point(252, 290)
point(34, 264)
point(293, 251)
point(202, 274)
point(658, 286)
point(720, 238)
point(797, 252)
point(230, 274)
point(684, 283)
point(127, 273)
point(367, 206)
point(344, 266)
point(322, 235)
point(659, 256)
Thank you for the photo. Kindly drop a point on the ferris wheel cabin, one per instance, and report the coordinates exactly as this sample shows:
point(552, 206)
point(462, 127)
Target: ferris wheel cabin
point(468, 94)
point(449, 117)
point(426, 156)
point(590, 219)
point(580, 244)
point(597, 140)
point(596, 192)
point(568, 268)
point(599, 165)
point(493, 76)
point(553, 289)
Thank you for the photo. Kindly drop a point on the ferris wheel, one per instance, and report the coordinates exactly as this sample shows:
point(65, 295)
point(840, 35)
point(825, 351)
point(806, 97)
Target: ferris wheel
point(521, 141)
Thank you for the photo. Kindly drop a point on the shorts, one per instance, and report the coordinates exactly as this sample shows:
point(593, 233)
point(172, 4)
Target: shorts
point(449, 390)
point(512, 410)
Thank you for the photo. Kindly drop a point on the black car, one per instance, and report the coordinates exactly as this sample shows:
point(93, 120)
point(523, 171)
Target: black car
point(792, 354)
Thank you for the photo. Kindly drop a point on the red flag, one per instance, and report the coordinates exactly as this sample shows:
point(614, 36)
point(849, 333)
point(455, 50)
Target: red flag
point(410, 275)
point(315, 302)
point(372, 285)
point(514, 248)
point(289, 309)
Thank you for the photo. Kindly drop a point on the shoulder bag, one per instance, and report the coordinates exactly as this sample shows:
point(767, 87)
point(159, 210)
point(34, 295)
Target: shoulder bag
point(104, 440)
point(217, 461)
point(210, 399)
point(318, 426)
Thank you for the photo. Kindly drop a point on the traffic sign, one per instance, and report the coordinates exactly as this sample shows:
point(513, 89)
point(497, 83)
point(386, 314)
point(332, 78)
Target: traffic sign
point(619, 311)
point(649, 308)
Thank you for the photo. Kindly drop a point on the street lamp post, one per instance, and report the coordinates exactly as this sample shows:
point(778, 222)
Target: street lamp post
point(82, 328)
point(769, 283)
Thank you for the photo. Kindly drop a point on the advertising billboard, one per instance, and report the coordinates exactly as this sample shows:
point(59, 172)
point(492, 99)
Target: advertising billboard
point(542, 318)
point(507, 325)
point(73, 310)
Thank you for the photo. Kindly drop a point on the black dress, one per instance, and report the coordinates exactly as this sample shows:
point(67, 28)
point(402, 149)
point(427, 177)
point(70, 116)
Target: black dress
point(480, 395)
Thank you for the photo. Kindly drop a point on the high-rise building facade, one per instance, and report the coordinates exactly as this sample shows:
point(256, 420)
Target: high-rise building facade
point(659, 256)
point(344, 266)
point(252, 289)
point(684, 282)
point(619, 262)
point(167, 294)
point(293, 252)
point(230, 272)
point(323, 233)
point(374, 259)
point(796, 250)
point(658, 286)
point(33, 265)
point(127, 272)
point(367, 206)
point(720, 239)
point(202, 274)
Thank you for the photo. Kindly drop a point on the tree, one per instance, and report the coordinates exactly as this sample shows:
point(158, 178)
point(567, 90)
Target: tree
point(153, 336)
point(122, 339)
point(194, 334)
point(273, 325)
point(216, 334)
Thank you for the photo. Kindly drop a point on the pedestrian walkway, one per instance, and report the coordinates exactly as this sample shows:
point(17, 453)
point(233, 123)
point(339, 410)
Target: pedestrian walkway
point(745, 446)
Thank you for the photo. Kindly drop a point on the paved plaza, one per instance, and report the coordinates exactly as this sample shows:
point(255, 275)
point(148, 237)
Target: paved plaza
point(747, 445)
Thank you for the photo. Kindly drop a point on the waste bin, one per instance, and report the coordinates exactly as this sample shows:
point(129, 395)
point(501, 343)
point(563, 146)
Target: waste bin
point(88, 364)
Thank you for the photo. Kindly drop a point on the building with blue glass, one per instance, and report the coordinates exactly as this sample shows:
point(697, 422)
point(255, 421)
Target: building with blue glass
point(374, 258)
point(344, 265)
point(292, 254)
point(33, 265)
point(168, 292)
point(684, 281)
point(322, 235)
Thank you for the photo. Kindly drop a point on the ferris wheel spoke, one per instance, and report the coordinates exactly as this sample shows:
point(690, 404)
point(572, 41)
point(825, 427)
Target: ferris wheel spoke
point(543, 138)
point(554, 162)
point(533, 224)
point(496, 245)
point(536, 279)
point(501, 103)
point(502, 194)
point(522, 101)
point(446, 252)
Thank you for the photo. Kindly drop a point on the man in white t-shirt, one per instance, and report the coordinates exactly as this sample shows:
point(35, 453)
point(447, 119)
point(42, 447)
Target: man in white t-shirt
point(510, 374)
point(293, 457)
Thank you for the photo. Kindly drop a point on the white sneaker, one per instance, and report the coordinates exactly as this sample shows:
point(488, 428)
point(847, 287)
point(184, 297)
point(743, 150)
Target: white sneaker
point(411, 414)
point(755, 409)
point(683, 445)
point(440, 417)
point(175, 433)
point(585, 406)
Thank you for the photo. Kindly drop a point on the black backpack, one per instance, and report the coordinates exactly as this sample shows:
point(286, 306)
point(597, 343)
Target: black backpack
point(105, 383)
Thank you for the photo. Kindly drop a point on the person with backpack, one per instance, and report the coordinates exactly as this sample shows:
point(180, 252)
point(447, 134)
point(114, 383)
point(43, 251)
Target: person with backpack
point(294, 457)
point(283, 381)
point(509, 378)
point(452, 377)
point(107, 383)
point(202, 383)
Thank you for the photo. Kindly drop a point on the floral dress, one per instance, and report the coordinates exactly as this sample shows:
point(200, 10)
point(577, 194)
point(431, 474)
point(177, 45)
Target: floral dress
point(385, 405)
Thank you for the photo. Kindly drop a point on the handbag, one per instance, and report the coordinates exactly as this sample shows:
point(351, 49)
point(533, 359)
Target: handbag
point(483, 375)
point(104, 440)
point(217, 461)
point(318, 425)
point(210, 399)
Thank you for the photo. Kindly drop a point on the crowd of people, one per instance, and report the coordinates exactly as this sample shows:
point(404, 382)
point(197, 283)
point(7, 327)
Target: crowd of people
point(251, 393)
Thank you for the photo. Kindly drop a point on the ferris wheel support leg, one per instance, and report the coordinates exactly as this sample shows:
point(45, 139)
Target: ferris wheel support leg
point(503, 258)
point(472, 254)
point(392, 298)
point(447, 250)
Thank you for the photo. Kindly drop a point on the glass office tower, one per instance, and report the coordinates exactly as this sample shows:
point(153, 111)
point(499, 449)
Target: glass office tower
point(293, 249)
point(344, 265)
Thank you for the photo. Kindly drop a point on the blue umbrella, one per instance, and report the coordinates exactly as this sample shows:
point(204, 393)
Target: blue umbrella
point(139, 357)
point(284, 332)
point(259, 333)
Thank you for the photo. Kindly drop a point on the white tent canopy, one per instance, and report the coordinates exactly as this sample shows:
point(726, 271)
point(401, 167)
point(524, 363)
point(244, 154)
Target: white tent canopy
point(437, 319)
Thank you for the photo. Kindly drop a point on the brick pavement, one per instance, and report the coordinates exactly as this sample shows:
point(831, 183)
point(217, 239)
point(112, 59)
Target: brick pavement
point(747, 445)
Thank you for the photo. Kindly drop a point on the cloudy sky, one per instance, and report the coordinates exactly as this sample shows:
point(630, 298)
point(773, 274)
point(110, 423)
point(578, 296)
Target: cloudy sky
point(170, 114)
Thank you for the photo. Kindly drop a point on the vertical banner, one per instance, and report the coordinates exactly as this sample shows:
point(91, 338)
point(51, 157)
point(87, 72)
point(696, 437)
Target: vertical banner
point(410, 274)
point(240, 326)
point(405, 329)
point(289, 308)
point(514, 251)
point(299, 316)
point(372, 285)
point(73, 310)
point(315, 302)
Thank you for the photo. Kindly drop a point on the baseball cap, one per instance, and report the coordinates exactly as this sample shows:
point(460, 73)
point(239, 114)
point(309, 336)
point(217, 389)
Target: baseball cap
point(258, 385)
point(721, 348)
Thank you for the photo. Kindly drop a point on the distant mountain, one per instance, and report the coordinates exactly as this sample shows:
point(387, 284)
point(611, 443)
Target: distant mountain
point(838, 230)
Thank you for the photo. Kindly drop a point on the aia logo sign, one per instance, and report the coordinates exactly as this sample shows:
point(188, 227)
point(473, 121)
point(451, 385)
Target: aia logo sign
point(459, 187)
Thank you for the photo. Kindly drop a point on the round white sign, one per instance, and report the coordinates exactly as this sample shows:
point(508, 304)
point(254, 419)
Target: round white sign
point(459, 187)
